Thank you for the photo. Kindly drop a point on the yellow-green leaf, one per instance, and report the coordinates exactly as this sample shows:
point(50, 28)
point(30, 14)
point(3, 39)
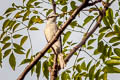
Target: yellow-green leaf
point(91, 72)
point(115, 57)
point(1, 17)
point(12, 61)
point(91, 41)
point(45, 69)
point(6, 46)
point(17, 46)
point(9, 10)
point(16, 26)
point(6, 53)
point(34, 28)
point(17, 36)
point(5, 24)
point(112, 62)
point(66, 36)
point(117, 51)
point(38, 69)
point(25, 61)
point(88, 19)
point(23, 40)
point(114, 39)
point(6, 39)
point(18, 51)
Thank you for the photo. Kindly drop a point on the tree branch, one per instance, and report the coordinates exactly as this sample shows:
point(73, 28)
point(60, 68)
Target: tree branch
point(54, 70)
point(102, 14)
point(54, 6)
point(54, 39)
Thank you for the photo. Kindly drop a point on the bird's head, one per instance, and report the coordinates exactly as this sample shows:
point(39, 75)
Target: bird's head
point(52, 17)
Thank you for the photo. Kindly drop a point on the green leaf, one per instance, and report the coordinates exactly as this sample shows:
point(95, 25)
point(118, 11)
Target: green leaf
point(88, 19)
point(6, 46)
point(17, 46)
point(23, 40)
point(16, 26)
point(65, 76)
point(109, 52)
point(106, 22)
point(64, 9)
point(97, 74)
point(78, 60)
point(5, 24)
point(116, 14)
point(91, 72)
point(73, 24)
point(73, 5)
point(49, 11)
point(96, 52)
point(34, 28)
point(112, 62)
point(28, 52)
point(18, 14)
point(45, 69)
point(1, 17)
point(66, 36)
point(119, 21)
point(83, 66)
point(12, 61)
point(111, 69)
point(38, 69)
point(114, 39)
point(11, 24)
point(110, 34)
point(117, 51)
point(90, 47)
point(78, 68)
point(25, 61)
point(17, 36)
point(31, 21)
point(100, 46)
point(37, 3)
point(101, 36)
point(116, 44)
point(116, 28)
point(9, 10)
point(109, 14)
point(91, 41)
point(103, 29)
point(26, 15)
point(2, 35)
point(30, 2)
point(88, 65)
point(115, 57)
point(18, 51)
point(6, 39)
point(6, 53)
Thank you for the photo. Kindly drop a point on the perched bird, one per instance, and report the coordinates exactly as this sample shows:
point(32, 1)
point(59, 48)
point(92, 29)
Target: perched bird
point(50, 30)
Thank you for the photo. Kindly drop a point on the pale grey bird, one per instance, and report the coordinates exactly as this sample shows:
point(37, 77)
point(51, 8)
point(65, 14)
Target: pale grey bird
point(50, 30)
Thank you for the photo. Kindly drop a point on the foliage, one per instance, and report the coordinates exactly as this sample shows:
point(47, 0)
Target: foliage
point(104, 43)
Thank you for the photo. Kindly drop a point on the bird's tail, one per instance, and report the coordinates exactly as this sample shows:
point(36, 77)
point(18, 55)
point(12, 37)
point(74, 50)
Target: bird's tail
point(61, 60)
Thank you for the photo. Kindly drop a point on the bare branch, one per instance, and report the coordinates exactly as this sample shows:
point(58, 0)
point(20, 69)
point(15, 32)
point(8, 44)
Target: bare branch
point(54, 6)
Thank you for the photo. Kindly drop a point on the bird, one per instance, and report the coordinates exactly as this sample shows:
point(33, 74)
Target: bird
point(49, 31)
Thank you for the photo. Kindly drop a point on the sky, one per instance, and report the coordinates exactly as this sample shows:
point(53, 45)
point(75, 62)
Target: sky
point(38, 41)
